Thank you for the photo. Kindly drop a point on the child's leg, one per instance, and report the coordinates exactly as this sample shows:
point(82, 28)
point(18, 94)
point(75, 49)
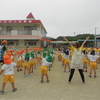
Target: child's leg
point(62, 63)
point(28, 70)
point(13, 86)
point(47, 77)
point(83, 67)
point(42, 76)
point(49, 67)
point(86, 67)
point(3, 86)
point(90, 71)
point(31, 69)
point(65, 68)
point(69, 67)
point(18, 68)
point(35, 65)
point(94, 72)
point(24, 71)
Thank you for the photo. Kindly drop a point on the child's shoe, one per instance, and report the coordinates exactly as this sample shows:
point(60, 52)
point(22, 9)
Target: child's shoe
point(29, 75)
point(15, 89)
point(85, 70)
point(47, 80)
point(17, 70)
point(2, 92)
point(31, 71)
point(64, 71)
point(95, 76)
point(20, 69)
point(90, 76)
point(24, 75)
point(82, 70)
point(41, 81)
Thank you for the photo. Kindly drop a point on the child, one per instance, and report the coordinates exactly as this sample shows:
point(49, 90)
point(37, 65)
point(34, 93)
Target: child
point(32, 63)
point(59, 54)
point(44, 68)
point(26, 65)
point(8, 69)
point(93, 62)
point(38, 57)
point(84, 59)
point(19, 63)
point(66, 59)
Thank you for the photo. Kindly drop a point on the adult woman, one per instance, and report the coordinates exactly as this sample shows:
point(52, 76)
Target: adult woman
point(76, 61)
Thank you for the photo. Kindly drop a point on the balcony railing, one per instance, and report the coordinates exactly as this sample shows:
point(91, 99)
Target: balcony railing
point(15, 32)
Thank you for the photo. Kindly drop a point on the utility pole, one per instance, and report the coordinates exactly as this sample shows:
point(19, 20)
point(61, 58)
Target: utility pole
point(95, 37)
point(74, 35)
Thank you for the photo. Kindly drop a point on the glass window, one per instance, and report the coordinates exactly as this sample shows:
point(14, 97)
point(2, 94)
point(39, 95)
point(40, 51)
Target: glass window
point(13, 42)
point(30, 43)
point(8, 30)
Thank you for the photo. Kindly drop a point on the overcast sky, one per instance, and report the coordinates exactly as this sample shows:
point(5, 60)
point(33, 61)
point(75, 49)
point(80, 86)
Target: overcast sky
point(59, 17)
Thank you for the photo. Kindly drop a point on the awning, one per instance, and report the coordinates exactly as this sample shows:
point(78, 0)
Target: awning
point(45, 40)
point(63, 42)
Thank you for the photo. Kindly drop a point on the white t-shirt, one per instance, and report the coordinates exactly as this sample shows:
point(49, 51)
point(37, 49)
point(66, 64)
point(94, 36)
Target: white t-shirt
point(31, 59)
point(93, 57)
point(19, 58)
point(84, 56)
point(8, 68)
point(11, 57)
point(45, 63)
point(66, 56)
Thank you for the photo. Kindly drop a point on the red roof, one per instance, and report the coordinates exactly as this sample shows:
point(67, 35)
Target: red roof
point(30, 16)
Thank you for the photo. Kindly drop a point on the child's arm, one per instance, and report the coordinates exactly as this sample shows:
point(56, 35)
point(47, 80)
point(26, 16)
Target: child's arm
point(67, 41)
point(85, 41)
point(1, 72)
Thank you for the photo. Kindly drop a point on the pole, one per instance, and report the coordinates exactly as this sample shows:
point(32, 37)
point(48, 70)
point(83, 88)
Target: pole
point(95, 37)
point(74, 36)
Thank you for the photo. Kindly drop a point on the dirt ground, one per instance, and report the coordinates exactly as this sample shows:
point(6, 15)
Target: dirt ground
point(57, 89)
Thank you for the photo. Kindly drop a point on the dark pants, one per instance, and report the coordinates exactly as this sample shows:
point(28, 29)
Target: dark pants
point(26, 59)
point(72, 73)
point(2, 61)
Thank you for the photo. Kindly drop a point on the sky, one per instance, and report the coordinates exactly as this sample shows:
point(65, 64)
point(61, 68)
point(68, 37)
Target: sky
point(59, 17)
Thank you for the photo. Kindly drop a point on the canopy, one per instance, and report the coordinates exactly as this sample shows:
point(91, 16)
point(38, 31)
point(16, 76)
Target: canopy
point(45, 40)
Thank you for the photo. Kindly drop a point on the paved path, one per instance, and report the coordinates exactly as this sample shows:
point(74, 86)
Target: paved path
point(56, 89)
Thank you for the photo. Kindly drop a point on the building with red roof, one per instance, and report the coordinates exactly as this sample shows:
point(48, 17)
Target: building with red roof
point(23, 32)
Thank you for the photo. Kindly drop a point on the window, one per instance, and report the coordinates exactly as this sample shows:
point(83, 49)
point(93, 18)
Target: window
point(13, 42)
point(30, 43)
point(8, 30)
point(28, 29)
